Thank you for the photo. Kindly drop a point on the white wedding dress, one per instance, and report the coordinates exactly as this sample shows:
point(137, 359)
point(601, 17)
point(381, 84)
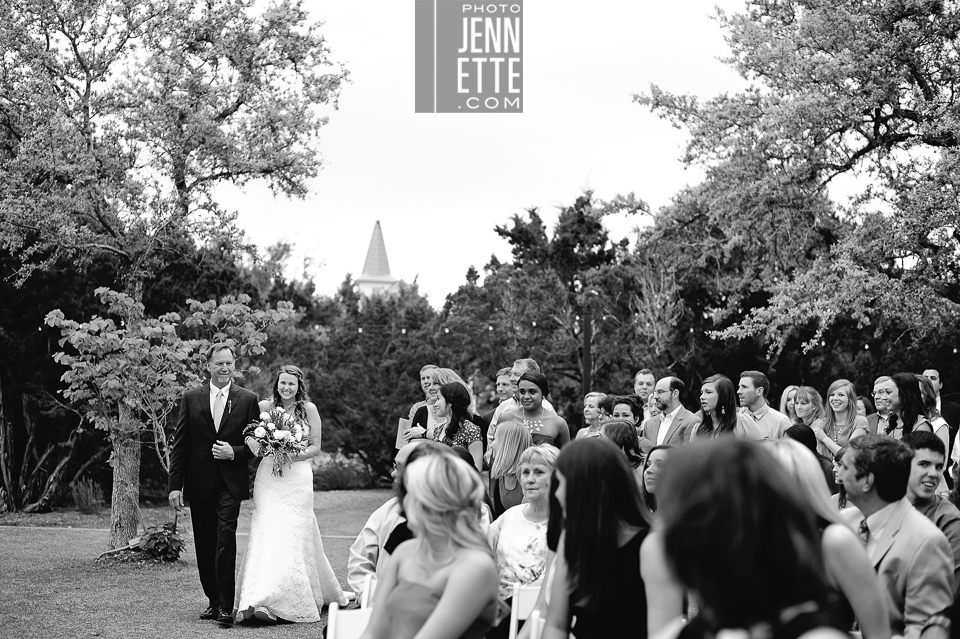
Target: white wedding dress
point(284, 573)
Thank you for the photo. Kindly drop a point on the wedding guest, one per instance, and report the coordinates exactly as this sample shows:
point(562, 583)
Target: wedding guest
point(939, 425)
point(752, 392)
point(591, 415)
point(650, 473)
point(520, 366)
point(650, 407)
point(643, 383)
point(879, 422)
point(865, 407)
point(910, 554)
point(926, 472)
point(455, 426)
point(426, 379)
point(840, 422)
point(442, 583)
point(720, 417)
point(519, 537)
point(739, 535)
point(506, 490)
point(208, 465)
point(425, 418)
point(545, 427)
point(849, 572)
point(674, 422)
point(787, 399)
point(627, 408)
point(950, 411)
point(600, 568)
point(624, 436)
point(808, 405)
point(902, 392)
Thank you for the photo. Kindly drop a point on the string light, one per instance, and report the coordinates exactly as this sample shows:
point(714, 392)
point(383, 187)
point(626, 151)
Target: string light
point(360, 329)
point(446, 330)
point(866, 347)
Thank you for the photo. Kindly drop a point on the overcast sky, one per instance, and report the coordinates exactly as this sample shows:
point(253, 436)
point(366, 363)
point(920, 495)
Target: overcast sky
point(439, 183)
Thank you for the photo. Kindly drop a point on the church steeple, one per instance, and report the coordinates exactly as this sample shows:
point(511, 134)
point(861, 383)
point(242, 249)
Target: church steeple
point(376, 277)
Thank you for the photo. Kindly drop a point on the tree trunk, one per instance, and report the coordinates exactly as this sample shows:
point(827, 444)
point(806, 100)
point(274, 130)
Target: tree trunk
point(125, 507)
point(8, 489)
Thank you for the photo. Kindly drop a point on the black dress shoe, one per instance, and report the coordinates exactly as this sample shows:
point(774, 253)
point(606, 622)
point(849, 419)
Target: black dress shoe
point(224, 618)
point(210, 613)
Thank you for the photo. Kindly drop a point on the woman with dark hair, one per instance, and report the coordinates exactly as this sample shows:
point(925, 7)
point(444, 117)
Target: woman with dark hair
point(902, 393)
point(741, 537)
point(865, 406)
point(454, 421)
point(627, 408)
point(424, 420)
point(291, 581)
point(624, 435)
point(600, 569)
point(718, 400)
point(545, 428)
point(650, 474)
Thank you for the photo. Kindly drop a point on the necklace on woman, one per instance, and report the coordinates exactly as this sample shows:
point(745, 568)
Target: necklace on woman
point(533, 425)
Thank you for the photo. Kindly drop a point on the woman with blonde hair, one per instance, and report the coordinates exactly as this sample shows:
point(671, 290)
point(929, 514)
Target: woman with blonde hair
point(840, 422)
point(807, 406)
point(592, 415)
point(505, 490)
point(787, 400)
point(442, 583)
point(848, 568)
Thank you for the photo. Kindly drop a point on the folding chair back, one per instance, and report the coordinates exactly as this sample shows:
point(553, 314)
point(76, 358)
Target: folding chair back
point(524, 599)
point(347, 624)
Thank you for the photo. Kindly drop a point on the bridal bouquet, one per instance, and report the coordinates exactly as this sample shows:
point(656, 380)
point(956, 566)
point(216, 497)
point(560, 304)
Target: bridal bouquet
point(279, 434)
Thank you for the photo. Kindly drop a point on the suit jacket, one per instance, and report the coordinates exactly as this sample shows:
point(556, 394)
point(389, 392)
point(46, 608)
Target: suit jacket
point(193, 468)
point(677, 433)
point(872, 424)
point(915, 564)
point(951, 413)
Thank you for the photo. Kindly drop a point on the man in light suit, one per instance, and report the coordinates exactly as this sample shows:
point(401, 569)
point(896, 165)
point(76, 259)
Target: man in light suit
point(208, 461)
point(911, 556)
point(673, 424)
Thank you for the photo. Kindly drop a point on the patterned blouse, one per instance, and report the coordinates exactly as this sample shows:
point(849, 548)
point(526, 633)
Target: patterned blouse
point(466, 434)
point(521, 549)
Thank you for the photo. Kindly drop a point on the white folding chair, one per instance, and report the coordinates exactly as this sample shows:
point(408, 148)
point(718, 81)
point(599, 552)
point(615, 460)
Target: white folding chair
point(368, 587)
point(347, 624)
point(524, 599)
point(535, 623)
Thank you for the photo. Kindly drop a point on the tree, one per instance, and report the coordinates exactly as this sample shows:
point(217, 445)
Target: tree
point(119, 118)
point(131, 377)
point(848, 87)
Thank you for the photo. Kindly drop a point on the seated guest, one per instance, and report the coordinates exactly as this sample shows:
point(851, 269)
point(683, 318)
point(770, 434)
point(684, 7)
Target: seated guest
point(848, 569)
point(519, 537)
point(739, 534)
point(443, 582)
point(911, 555)
point(805, 435)
point(651, 470)
point(505, 488)
point(624, 436)
point(718, 399)
point(671, 426)
point(808, 405)
point(386, 528)
point(592, 415)
point(600, 570)
point(840, 422)
point(926, 471)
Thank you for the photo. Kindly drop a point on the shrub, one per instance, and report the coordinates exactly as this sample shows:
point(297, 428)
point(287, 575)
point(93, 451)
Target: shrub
point(339, 472)
point(87, 496)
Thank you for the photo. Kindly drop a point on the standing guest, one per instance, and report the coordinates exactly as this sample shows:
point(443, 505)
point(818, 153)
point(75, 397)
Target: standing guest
point(600, 568)
point(208, 462)
point(443, 582)
point(805, 435)
point(753, 391)
point(939, 425)
point(504, 388)
point(902, 392)
point(848, 569)
point(455, 426)
point(926, 472)
point(606, 406)
point(627, 408)
point(865, 407)
point(912, 556)
point(840, 422)
point(519, 537)
point(671, 426)
point(879, 422)
point(949, 410)
point(787, 399)
point(808, 405)
point(506, 490)
point(520, 366)
point(545, 427)
point(624, 436)
point(425, 418)
point(736, 532)
point(651, 470)
point(718, 400)
point(643, 383)
point(651, 408)
point(591, 415)
point(426, 379)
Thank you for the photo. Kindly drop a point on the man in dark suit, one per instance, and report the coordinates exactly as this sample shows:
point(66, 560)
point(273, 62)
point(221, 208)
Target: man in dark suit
point(208, 461)
point(878, 423)
point(948, 410)
point(673, 424)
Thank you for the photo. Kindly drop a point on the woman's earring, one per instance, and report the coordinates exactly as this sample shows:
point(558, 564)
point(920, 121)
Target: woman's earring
point(723, 410)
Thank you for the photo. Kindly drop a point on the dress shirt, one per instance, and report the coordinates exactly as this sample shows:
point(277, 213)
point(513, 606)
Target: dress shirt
point(665, 424)
point(214, 391)
point(877, 522)
point(772, 422)
point(367, 554)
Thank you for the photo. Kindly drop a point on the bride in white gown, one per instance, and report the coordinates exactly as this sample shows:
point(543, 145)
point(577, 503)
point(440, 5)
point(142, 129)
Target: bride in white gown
point(284, 573)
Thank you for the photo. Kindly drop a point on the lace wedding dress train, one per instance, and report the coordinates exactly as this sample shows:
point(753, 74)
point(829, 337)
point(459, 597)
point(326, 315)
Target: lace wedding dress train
point(284, 573)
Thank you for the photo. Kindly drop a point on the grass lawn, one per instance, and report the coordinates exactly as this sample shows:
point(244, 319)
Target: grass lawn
point(50, 585)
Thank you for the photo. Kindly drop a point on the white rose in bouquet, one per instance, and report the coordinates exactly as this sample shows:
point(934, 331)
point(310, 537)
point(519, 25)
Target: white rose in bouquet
point(271, 426)
point(260, 431)
point(265, 417)
point(278, 434)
